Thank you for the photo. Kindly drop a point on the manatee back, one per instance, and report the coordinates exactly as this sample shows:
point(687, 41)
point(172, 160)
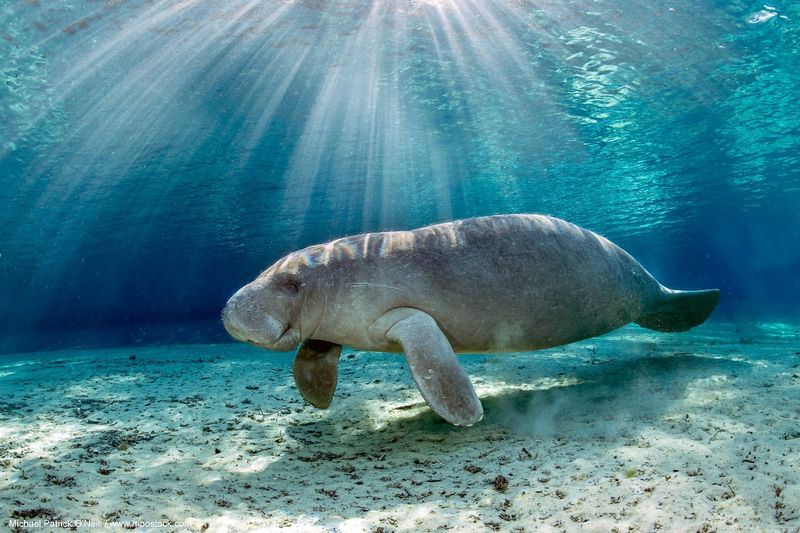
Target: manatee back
point(500, 283)
point(524, 282)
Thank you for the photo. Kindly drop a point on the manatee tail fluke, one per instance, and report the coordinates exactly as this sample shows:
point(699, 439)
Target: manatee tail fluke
point(681, 310)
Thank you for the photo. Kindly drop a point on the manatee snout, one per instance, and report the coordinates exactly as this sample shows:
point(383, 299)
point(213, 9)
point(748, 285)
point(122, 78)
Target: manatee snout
point(246, 320)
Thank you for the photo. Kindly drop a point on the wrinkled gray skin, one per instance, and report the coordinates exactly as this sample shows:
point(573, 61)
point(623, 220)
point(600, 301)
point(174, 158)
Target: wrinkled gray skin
point(490, 284)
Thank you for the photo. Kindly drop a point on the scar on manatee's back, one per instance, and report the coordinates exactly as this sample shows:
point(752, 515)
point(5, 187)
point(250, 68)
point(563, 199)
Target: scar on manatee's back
point(368, 284)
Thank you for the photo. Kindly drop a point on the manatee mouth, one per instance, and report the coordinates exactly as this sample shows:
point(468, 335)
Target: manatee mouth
point(263, 330)
point(288, 341)
point(285, 341)
point(266, 345)
point(284, 338)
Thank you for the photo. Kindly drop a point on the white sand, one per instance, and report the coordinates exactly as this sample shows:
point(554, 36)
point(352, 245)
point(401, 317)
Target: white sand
point(635, 431)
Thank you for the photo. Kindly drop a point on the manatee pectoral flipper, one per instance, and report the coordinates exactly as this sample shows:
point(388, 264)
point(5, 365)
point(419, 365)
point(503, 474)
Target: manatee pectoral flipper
point(316, 371)
point(440, 379)
point(680, 310)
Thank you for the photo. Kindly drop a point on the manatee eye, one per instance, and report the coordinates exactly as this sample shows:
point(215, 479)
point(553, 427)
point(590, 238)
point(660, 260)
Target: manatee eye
point(291, 285)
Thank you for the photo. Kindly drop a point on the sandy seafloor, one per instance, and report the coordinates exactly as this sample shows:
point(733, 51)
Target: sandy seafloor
point(634, 431)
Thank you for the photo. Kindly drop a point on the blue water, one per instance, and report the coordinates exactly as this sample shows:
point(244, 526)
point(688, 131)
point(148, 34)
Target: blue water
point(155, 156)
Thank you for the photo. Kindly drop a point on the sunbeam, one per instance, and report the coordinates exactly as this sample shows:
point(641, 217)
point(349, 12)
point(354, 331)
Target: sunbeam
point(283, 122)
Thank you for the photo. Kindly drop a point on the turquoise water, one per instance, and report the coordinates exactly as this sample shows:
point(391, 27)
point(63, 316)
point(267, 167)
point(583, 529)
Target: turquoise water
point(155, 156)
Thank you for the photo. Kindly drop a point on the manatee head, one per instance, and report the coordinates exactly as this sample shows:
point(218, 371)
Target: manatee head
point(267, 311)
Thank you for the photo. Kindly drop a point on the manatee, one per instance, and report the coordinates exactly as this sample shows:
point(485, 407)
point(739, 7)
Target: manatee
point(490, 284)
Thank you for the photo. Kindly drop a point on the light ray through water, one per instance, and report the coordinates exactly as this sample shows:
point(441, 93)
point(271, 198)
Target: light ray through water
point(269, 125)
